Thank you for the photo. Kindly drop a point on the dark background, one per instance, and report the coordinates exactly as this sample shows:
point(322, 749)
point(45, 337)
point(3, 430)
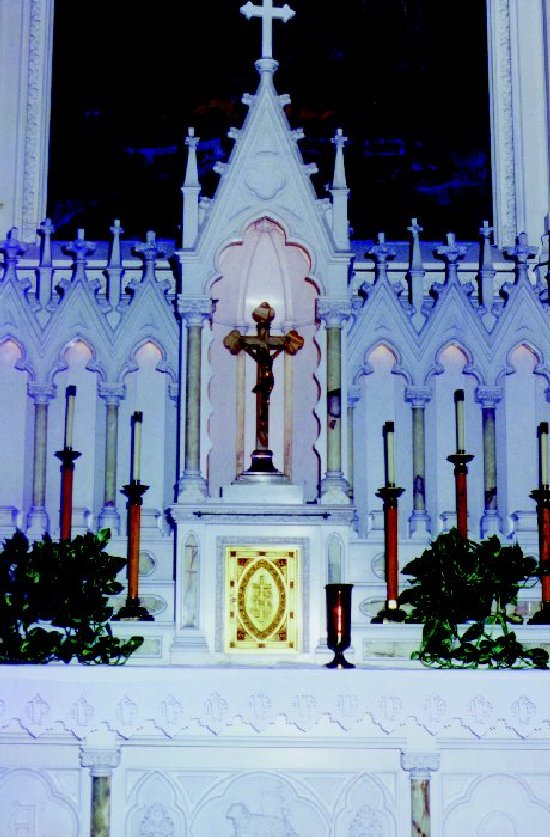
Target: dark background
point(405, 79)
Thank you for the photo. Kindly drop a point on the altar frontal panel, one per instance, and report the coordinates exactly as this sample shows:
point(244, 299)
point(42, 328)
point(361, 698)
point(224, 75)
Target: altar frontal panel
point(261, 598)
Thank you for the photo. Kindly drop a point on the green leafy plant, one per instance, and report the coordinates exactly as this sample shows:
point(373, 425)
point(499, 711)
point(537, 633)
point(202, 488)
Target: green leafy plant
point(54, 601)
point(457, 580)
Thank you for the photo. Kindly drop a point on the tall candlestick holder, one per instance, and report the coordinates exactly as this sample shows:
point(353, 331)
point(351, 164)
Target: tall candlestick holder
point(133, 609)
point(67, 456)
point(391, 612)
point(460, 460)
point(541, 496)
point(338, 623)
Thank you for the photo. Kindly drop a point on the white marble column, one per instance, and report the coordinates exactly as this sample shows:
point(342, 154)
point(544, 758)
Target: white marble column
point(354, 394)
point(334, 486)
point(518, 57)
point(112, 394)
point(26, 42)
point(419, 521)
point(37, 520)
point(101, 763)
point(191, 484)
point(488, 398)
point(419, 766)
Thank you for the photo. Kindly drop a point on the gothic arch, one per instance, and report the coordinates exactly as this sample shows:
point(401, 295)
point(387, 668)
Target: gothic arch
point(131, 365)
point(540, 368)
point(437, 368)
point(367, 369)
point(22, 363)
point(60, 364)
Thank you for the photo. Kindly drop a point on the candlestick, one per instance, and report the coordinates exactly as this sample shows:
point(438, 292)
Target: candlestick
point(70, 394)
point(389, 452)
point(543, 454)
point(137, 420)
point(459, 416)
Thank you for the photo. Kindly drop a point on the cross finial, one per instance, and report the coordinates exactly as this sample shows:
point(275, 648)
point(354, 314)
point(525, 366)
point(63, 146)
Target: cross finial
point(267, 13)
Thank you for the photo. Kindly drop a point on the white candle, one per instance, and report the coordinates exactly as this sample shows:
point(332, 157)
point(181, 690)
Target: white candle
point(70, 394)
point(543, 448)
point(390, 452)
point(459, 415)
point(137, 420)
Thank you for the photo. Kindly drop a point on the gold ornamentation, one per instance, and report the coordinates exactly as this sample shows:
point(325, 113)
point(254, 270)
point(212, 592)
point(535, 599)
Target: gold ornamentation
point(261, 598)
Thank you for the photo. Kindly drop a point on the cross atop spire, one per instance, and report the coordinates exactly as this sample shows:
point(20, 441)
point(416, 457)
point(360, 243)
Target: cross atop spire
point(267, 13)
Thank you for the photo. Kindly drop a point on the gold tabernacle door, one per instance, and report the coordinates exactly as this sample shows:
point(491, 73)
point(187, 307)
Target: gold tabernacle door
point(261, 598)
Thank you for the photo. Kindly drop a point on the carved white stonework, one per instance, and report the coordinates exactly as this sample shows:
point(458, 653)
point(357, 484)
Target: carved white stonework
point(101, 762)
point(265, 177)
point(488, 396)
point(420, 765)
point(334, 312)
point(194, 310)
point(502, 148)
point(25, 105)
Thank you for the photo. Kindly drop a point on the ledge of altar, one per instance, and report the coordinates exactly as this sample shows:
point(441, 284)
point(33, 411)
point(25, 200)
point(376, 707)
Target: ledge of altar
point(222, 511)
point(396, 707)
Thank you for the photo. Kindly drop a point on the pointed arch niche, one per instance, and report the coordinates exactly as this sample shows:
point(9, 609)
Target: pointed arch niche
point(264, 265)
point(453, 370)
point(16, 422)
point(523, 406)
point(382, 384)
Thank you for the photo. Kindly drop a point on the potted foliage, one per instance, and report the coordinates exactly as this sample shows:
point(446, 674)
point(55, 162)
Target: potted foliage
point(54, 601)
point(457, 581)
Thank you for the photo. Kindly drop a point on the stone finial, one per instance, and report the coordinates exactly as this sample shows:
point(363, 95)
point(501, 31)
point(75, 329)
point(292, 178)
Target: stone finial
point(415, 276)
point(192, 170)
point(486, 275)
point(416, 257)
point(381, 253)
point(13, 248)
point(116, 231)
point(520, 253)
point(267, 13)
point(451, 253)
point(45, 231)
point(80, 248)
point(339, 179)
point(150, 250)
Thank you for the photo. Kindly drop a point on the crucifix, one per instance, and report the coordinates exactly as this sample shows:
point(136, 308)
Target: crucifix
point(267, 13)
point(263, 348)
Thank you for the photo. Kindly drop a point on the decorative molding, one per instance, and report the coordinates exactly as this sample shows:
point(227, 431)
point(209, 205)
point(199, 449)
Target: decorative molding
point(100, 761)
point(502, 121)
point(334, 312)
point(194, 310)
point(418, 396)
point(41, 392)
point(367, 703)
point(420, 765)
point(488, 396)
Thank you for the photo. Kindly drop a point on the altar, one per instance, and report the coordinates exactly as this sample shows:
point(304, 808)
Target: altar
point(284, 749)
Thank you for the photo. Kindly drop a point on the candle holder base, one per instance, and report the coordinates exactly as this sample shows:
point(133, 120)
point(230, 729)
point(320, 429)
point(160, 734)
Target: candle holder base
point(460, 460)
point(542, 616)
point(339, 661)
point(133, 611)
point(67, 457)
point(389, 614)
